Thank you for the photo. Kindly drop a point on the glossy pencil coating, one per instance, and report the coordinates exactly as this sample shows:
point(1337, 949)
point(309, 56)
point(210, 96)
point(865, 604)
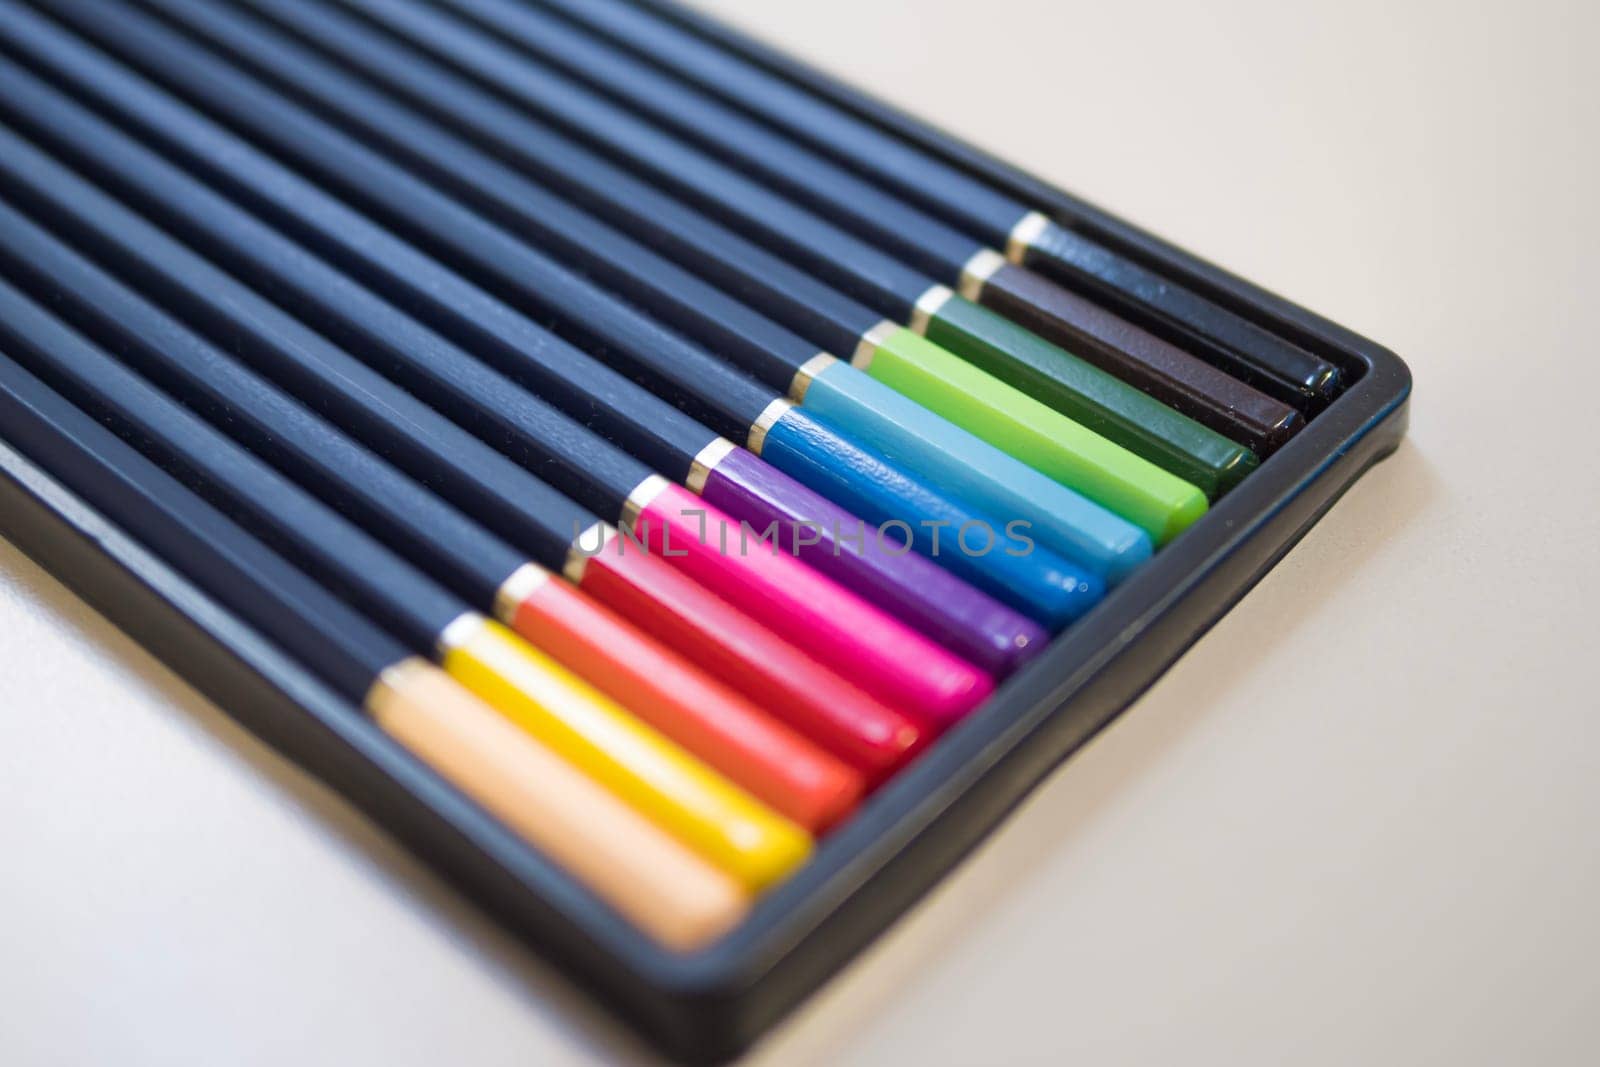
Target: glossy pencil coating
point(863, 645)
point(1084, 393)
point(754, 751)
point(1171, 375)
point(892, 661)
point(1010, 491)
point(646, 875)
point(1036, 579)
point(676, 792)
point(815, 702)
point(854, 474)
point(881, 488)
point(977, 627)
point(1159, 503)
point(1238, 345)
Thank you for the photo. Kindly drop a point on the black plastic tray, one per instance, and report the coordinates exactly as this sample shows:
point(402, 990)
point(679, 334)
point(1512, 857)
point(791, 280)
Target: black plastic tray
point(711, 1005)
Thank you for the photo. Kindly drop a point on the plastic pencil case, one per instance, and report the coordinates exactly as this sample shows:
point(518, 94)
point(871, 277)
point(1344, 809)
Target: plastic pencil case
point(712, 1004)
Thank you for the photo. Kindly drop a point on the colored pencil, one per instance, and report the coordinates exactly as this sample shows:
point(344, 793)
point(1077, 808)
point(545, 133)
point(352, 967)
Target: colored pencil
point(1040, 582)
point(677, 792)
point(789, 148)
point(767, 760)
point(1103, 470)
point(646, 875)
point(555, 531)
point(723, 324)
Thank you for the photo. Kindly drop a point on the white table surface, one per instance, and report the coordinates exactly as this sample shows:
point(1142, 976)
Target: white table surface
point(1356, 824)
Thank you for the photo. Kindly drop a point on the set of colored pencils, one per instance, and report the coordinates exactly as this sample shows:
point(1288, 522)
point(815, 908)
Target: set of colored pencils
point(662, 454)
